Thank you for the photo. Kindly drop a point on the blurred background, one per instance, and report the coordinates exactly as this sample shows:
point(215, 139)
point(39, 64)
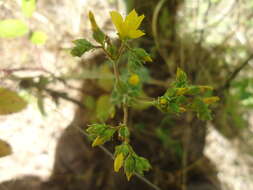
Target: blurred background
point(210, 40)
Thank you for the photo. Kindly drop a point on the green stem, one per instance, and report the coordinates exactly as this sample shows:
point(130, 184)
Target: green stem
point(151, 103)
point(125, 110)
point(116, 71)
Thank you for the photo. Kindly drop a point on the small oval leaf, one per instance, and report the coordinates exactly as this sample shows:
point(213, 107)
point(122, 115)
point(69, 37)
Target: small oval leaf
point(28, 7)
point(12, 28)
point(38, 38)
point(5, 148)
point(10, 102)
point(104, 108)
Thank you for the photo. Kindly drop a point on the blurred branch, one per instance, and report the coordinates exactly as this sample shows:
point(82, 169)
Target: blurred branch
point(205, 21)
point(24, 69)
point(62, 95)
point(234, 74)
point(10, 71)
point(154, 29)
point(225, 11)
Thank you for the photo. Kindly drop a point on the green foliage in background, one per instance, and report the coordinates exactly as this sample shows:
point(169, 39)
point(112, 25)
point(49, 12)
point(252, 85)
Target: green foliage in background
point(13, 28)
point(28, 7)
point(38, 38)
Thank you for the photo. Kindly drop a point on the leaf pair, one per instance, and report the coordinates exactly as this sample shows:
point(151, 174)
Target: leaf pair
point(125, 156)
point(101, 133)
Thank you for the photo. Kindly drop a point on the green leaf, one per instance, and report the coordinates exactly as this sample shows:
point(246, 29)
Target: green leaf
point(104, 135)
point(134, 61)
point(124, 149)
point(202, 109)
point(97, 129)
point(5, 148)
point(141, 164)
point(112, 50)
point(28, 7)
point(129, 165)
point(40, 103)
point(193, 90)
point(106, 83)
point(89, 102)
point(104, 108)
point(10, 102)
point(82, 46)
point(181, 78)
point(12, 28)
point(173, 107)
point(43, 82)
point(142, 54)
point(108, 133)
point(98, 35)
point(38, 38)
point(124, 132)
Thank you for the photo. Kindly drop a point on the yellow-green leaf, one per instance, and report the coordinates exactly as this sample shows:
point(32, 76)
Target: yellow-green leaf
point(98, 141)
point(28, 7)
point(5, 148)
point(104, 108)
point(118, 162)
point(12, 28)
point(211, 100)
point(38, 38)
point(98, 35)
point(129, 175)
point(107, 82)
point(10, 102)
point(89, 102)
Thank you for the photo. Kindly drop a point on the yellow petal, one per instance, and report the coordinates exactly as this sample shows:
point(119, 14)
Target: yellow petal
point(131, 18)
point(118, 162)
point(133, 21)
point(117, 20)
point(138, 21)
point(136, 34)
point(98, 141)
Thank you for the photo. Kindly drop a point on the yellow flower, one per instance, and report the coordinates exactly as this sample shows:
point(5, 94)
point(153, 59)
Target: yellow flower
point(134, 79)
point(163, 101)
point(118, 162)
point(127, 28)
point(181, 91)
point(211, 100)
